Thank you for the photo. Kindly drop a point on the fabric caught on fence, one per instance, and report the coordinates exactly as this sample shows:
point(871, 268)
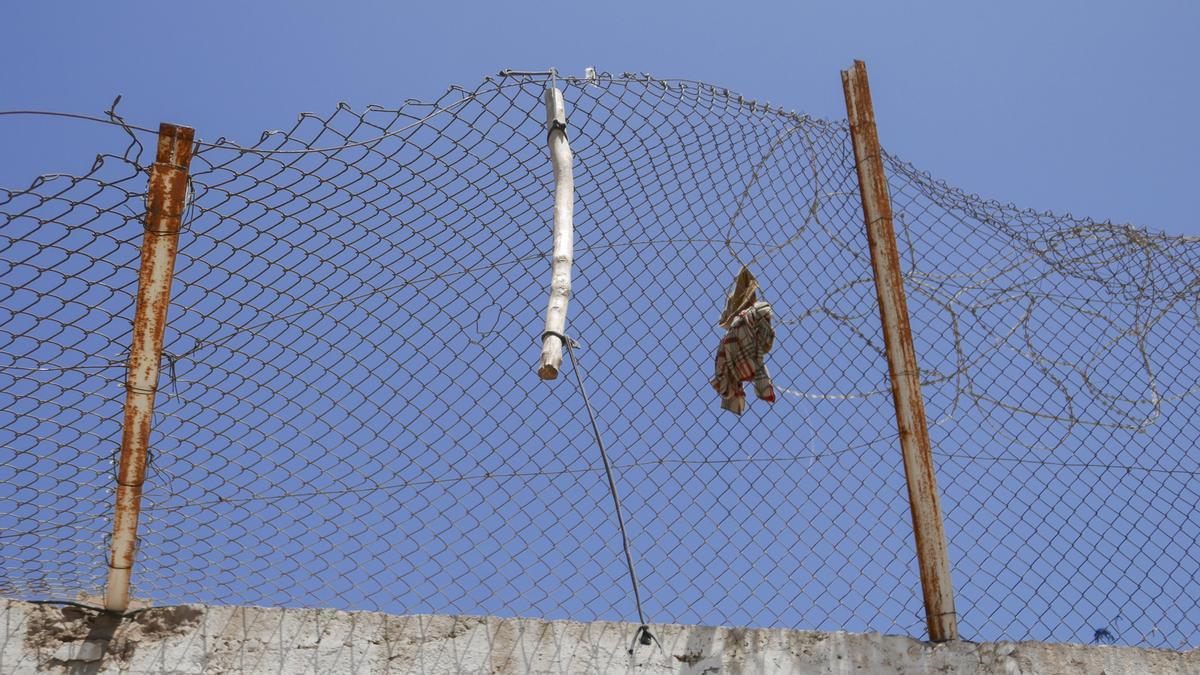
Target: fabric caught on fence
point(743, 296)
point(741, 357)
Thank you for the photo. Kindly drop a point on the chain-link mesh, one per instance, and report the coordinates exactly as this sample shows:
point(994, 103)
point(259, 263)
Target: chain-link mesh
point(350, 417)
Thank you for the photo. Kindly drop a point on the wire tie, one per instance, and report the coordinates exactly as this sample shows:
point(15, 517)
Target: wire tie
point(556, 126)
point(566, 340)
point(644, 637)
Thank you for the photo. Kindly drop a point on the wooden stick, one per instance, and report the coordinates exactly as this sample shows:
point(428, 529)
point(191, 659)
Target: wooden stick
point(164, 212)
point(564, 235)
point(932, 556)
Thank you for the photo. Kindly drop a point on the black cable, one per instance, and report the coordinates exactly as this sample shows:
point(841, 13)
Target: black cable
point(612, 484)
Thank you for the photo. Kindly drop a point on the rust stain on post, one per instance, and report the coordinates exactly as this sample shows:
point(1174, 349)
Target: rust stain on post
point(164, 212)
point(932, 556)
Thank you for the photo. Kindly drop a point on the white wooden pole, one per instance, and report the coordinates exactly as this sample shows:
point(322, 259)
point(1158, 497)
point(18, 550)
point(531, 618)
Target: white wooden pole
point(564, 235)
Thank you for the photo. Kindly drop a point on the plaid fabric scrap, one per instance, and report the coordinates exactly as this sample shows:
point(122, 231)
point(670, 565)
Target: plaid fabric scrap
point(740, 358)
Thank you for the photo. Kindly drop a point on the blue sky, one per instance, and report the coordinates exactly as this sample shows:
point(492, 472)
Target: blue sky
point(1070, 107)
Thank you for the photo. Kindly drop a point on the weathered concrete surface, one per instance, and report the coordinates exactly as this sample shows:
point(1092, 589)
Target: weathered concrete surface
point(199, 639)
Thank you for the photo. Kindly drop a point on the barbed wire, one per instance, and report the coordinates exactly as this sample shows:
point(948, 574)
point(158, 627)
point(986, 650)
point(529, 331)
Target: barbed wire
point(353, 419)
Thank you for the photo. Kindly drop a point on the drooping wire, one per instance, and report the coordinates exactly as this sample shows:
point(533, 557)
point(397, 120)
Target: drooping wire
point(612, 484)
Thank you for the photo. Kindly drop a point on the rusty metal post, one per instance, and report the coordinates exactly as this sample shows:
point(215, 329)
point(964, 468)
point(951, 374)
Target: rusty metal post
point(932, 556)
point(164, 212)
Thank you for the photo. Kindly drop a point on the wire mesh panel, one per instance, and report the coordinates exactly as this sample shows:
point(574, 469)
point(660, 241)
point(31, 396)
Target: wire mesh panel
point(68, 277)
point(350, 415)
point(1061, 365)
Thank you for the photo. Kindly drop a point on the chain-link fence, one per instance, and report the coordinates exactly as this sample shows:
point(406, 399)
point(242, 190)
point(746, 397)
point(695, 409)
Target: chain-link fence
point(349, 414)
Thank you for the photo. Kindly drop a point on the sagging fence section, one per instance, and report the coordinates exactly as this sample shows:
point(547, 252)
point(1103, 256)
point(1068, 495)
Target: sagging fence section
point(349, 413)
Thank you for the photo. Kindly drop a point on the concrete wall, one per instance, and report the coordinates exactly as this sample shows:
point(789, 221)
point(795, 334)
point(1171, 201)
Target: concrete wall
point(199, 639)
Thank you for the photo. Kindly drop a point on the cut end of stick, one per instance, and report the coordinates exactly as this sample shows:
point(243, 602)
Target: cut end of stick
point(548, 372)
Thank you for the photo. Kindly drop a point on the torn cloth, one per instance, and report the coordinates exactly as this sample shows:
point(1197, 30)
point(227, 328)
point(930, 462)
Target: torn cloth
point(744, 296)
point(740, 358)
